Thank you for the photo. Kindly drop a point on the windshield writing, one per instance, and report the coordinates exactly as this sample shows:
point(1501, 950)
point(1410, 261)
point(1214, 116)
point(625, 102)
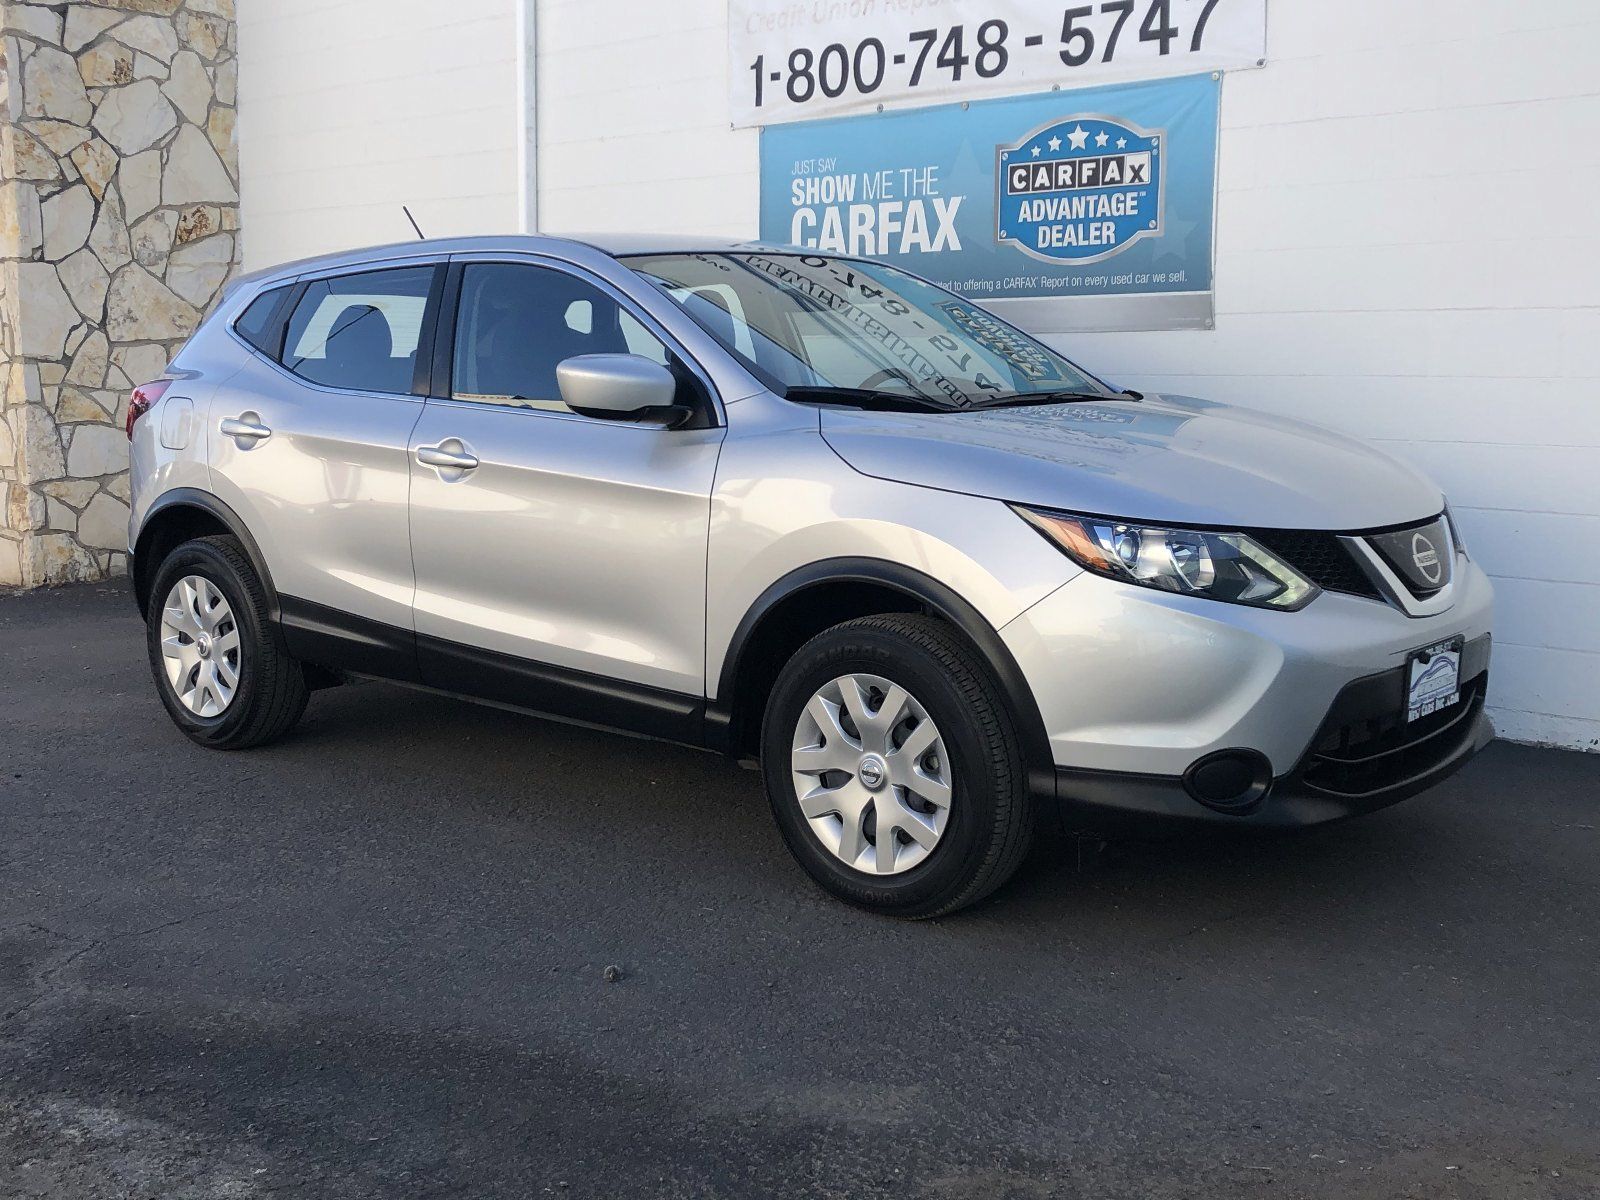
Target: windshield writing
point(817, 321)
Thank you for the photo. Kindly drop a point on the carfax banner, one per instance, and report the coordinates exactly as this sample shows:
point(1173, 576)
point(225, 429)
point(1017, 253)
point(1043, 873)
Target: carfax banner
point(1092, 209)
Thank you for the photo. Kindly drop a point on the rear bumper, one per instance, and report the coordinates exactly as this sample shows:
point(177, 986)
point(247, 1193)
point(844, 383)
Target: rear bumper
point(1363, 758)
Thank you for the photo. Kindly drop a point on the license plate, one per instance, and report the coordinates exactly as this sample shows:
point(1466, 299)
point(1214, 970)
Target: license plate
point(1433, 678)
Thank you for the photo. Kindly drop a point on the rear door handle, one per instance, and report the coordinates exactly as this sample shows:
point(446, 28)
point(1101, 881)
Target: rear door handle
point(449, 454)
point(246, 427)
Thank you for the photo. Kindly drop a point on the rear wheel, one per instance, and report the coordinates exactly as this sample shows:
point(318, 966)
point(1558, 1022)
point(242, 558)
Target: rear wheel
point(219, 663)
point(893, 767)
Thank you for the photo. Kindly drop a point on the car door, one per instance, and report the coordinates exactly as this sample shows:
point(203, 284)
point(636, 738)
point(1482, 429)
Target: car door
point(560, 558)
point(309, 444)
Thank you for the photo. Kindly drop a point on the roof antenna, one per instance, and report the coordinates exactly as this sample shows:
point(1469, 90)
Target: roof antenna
point(420, 235)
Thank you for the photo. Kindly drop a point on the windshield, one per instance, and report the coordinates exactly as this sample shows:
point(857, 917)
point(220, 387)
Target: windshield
point(847, 331)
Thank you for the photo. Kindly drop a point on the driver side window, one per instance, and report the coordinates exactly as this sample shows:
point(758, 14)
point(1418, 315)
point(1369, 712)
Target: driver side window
point(516, 324)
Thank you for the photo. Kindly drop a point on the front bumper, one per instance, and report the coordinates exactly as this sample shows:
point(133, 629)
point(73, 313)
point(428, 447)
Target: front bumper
point(1361, 760)
point(1136, 687)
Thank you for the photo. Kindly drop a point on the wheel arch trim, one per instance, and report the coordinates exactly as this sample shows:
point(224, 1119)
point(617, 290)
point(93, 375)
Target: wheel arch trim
point(939, 599)
point(194, 498)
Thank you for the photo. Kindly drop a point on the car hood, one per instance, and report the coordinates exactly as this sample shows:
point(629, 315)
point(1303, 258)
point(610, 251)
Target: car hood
point(1168, 459)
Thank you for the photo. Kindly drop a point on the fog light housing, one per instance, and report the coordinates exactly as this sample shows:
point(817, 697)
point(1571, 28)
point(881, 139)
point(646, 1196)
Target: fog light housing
point(1230, 781)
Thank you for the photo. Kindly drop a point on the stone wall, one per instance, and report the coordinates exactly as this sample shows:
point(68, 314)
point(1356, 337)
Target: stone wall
point(118, 227)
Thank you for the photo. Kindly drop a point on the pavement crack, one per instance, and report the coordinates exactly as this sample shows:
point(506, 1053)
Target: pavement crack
point(33, 925)
point(48, 976)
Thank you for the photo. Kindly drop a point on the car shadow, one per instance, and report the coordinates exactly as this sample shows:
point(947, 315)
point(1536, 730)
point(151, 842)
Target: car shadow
point(657, 799)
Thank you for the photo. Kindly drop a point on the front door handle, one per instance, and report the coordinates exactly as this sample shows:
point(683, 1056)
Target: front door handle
point(246, 427)
point(449, 454)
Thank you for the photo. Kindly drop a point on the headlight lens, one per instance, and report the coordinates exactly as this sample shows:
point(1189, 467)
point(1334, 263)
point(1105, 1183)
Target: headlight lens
point(1455, 532)
point(1218, 566)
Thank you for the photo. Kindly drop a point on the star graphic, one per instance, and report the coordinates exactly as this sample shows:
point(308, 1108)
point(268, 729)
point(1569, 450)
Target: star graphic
point(1079, 138)
point(1102, 139)
point(1036, 152)
point(1122, 143)
point(1055, 143)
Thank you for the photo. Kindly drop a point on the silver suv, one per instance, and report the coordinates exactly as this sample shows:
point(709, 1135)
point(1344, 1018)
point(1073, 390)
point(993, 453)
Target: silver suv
point(941, 582)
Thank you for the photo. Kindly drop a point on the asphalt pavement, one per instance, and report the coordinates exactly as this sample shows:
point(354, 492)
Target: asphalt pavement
point(371, 961)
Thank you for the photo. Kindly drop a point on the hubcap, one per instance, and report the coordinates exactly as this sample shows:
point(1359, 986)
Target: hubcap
point(871, 774)
point(200, 646)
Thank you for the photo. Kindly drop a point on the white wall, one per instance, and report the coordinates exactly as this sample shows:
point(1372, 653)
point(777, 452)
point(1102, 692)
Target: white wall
point(350, 108)
point(633, 133)
point(1405, 249)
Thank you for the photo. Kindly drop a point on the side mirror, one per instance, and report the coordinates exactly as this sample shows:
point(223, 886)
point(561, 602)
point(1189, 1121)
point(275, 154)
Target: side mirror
point(619, 387)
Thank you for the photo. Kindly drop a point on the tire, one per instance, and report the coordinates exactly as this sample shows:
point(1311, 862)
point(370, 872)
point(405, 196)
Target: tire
point(269, 694)
point(988, 822)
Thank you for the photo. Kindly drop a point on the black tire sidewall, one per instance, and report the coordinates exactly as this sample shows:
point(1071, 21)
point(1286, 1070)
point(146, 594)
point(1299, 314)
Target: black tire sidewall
point(960, 853)
point(207, 560)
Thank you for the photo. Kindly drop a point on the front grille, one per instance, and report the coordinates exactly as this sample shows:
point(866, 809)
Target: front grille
point(1320, 557)
point(1419, 554)
point(1369, 754)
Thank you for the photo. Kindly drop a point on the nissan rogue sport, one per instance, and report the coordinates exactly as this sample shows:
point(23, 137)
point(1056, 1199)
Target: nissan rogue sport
point(808, 509)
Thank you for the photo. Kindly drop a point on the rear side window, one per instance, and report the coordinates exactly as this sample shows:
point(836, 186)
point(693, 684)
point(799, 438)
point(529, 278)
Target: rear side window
point(360, 332)
point(258, 324)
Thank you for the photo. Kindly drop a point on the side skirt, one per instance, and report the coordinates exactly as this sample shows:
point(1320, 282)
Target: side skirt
point(560, 692)
point(315, 633)
point(327, 637)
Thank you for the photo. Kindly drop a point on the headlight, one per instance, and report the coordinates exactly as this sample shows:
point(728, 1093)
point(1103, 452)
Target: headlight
point(1218, 566)
point(1455, 531)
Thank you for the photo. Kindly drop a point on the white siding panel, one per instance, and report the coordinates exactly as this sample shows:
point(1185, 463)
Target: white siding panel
point(351, 108)
point(636, 135)
point(1540, 614)
point(1536, 545)
point(1552, 685)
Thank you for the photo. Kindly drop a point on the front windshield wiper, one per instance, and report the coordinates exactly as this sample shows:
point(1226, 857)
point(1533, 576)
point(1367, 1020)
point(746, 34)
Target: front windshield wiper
point(866, 399)
point(1025, 399)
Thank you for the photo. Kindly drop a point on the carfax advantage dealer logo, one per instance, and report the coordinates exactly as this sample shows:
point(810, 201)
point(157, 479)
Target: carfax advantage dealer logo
point(1080, 190)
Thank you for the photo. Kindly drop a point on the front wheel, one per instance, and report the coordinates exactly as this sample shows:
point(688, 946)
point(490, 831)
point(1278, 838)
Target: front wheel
point(219, 664)
point(894, 769)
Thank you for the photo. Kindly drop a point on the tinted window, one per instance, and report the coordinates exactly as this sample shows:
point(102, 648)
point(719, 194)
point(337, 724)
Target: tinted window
point(360, 331)
point(257, 324)
point(516, 324)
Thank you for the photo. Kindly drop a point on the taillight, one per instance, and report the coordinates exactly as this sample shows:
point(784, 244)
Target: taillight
point(143, 399)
